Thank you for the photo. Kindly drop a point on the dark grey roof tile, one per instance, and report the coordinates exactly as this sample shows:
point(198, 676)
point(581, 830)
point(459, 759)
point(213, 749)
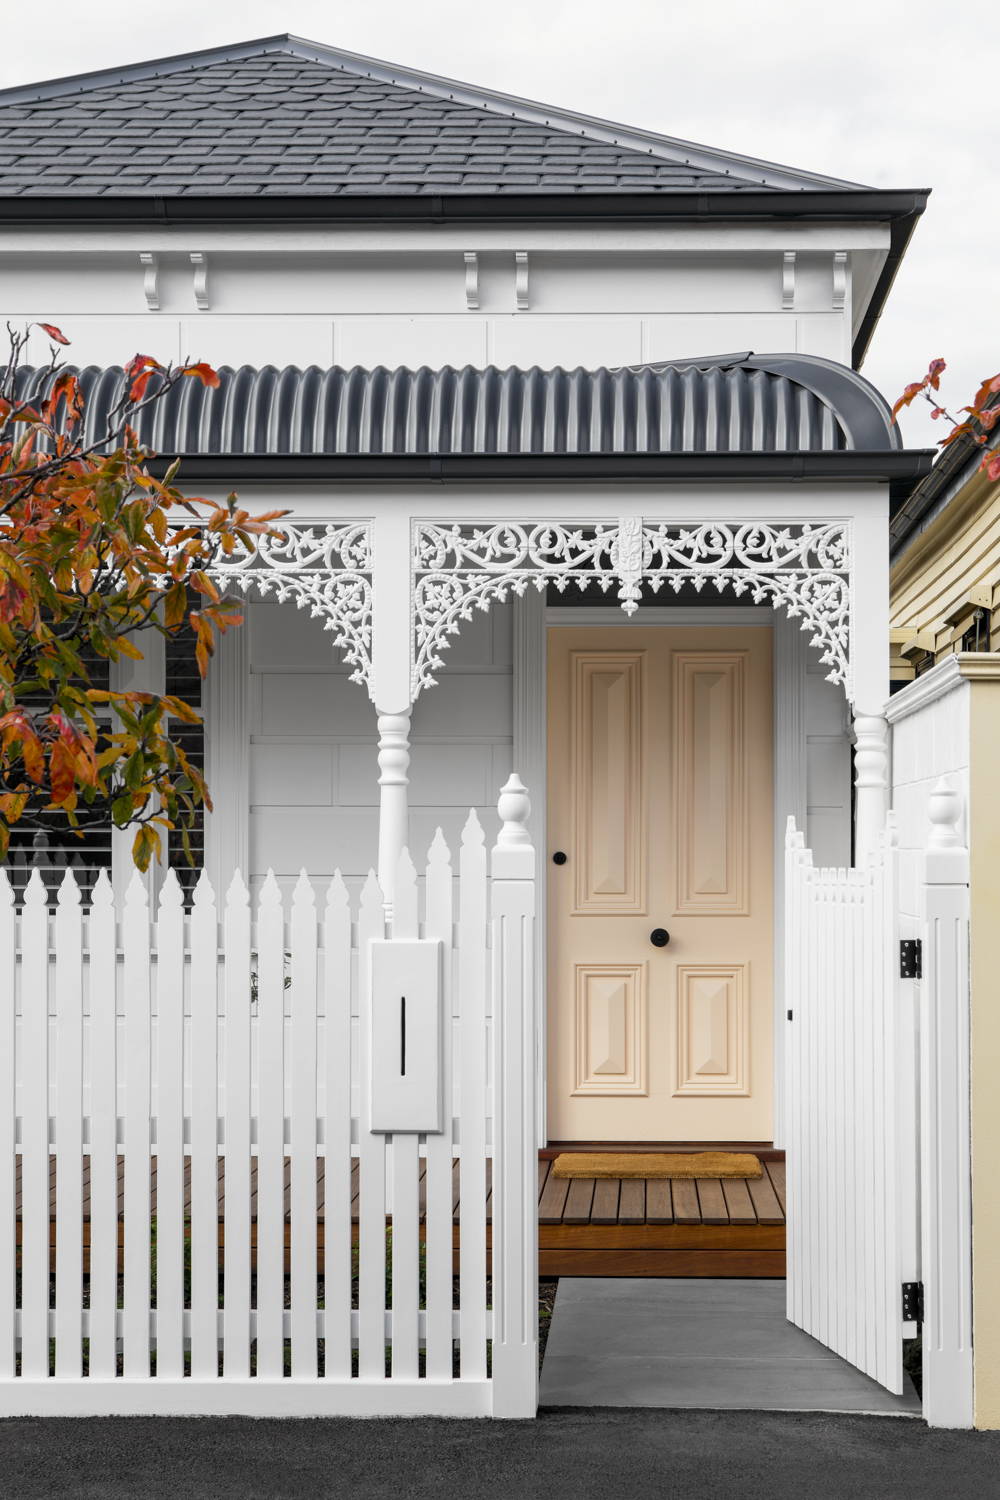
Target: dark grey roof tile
point(255, 114)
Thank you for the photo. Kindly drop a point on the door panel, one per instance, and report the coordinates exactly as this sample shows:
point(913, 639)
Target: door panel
point(608, 775)
point(660, 793)
point(710, 805)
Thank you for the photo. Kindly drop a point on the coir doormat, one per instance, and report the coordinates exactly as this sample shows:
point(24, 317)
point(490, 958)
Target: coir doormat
point(657, 1164)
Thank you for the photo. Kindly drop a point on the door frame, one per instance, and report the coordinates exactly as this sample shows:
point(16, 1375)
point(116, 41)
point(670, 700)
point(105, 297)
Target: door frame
point(532, 618)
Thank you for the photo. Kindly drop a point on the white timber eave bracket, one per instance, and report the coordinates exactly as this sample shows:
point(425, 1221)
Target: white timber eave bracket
point(150, 279)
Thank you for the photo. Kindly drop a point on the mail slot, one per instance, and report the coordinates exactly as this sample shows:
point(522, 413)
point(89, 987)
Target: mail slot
point(405, 1037)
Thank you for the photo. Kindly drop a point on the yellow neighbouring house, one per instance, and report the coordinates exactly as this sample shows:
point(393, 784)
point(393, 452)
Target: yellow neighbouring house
point(945, 643)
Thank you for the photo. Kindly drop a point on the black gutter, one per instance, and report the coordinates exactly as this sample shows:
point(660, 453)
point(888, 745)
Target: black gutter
point(205, 209)
point(902, 470)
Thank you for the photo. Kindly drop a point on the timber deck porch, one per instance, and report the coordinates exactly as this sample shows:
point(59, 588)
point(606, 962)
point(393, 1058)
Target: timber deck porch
point(586, 1227)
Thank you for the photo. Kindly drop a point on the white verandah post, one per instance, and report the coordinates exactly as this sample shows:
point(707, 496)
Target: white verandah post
point(391, 688)
point(515, 1147)
point(870, 672)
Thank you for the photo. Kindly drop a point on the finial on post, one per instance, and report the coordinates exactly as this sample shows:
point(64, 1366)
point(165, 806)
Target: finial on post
point(513, 855)
point(514, 807)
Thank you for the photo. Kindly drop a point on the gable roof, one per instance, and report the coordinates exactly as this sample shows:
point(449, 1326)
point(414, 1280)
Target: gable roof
point(283, 116)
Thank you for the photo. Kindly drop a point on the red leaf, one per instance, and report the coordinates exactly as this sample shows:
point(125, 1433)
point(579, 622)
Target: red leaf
point(909, 394)
point(991, 463)
point(935, 370)
point(202, 372)
point(53, 333)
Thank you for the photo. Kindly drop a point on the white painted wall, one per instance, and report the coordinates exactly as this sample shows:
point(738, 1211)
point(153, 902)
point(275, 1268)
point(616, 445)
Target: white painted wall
point(401, 299)
point(313, 770)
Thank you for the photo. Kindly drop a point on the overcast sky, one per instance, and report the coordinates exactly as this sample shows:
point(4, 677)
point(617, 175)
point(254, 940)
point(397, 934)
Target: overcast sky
point(891, 93)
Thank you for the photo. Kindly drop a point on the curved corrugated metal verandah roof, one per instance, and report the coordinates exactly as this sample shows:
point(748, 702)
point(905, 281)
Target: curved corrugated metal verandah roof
point(730, 404)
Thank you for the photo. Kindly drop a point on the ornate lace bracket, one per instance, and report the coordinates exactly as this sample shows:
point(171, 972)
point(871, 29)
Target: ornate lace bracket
point(802, 568)
point(326, 569)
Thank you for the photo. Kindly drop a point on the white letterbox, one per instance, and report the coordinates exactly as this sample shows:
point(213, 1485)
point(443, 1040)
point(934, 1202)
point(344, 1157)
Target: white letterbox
point(405, 1036)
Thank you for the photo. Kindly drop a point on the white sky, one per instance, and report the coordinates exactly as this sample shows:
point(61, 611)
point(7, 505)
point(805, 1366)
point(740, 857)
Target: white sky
point(893, 93)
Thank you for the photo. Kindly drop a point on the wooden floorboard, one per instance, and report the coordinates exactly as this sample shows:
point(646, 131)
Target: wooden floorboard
point(587, 1227)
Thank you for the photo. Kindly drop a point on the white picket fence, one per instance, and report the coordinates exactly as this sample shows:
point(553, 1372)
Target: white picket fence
point(245, 1037)
point(852, 1106)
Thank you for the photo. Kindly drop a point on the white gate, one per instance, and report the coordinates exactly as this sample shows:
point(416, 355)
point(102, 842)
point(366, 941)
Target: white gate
point(178, 1097)
point(852, 1109)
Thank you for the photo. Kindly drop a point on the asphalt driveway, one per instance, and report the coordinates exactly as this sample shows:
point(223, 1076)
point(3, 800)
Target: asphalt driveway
point(604, 1454)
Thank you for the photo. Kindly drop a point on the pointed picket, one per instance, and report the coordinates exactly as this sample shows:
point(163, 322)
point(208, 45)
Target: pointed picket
point(405, 1178)
point(236, 1115)
point(371, 1160)
point(204, 1110)
point(8, 1102)
point(472, 974)
point(303, 1130)
point(170, 1130)
point(68, 935)
point(439, 901)
point(270, 1131)
point(135, 944)
point(35, 1130)
point(337, 1130)
point(101, 940)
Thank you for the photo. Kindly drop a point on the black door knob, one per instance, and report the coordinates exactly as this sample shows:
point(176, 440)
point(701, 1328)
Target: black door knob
point(659, 937)
point(559, 858)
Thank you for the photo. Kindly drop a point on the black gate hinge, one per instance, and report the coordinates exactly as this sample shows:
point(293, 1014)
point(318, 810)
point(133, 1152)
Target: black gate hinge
point(911, 958)
point(913, 1302)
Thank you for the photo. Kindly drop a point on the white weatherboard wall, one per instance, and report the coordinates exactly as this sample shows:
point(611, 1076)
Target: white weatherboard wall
point(313, 770)
point(393, 298)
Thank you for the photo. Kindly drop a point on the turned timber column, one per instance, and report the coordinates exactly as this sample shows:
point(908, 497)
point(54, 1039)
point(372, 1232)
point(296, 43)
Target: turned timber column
point(392, 657)
point(871, 781)
point(394, 810)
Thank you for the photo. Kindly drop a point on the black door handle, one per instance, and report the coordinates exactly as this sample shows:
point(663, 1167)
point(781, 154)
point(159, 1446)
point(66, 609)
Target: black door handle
point(559, 858)
point(659, 937)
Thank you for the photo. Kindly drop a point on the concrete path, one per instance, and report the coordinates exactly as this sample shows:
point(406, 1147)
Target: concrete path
point(578, 1455)
point(721, 1345)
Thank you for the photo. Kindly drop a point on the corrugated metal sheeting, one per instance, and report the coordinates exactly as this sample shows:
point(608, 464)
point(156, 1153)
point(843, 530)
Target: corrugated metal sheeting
point(734, 404)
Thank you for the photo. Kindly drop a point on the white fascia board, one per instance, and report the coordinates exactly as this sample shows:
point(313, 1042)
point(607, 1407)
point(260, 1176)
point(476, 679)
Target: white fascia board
point(396, 239)
point(524, 501)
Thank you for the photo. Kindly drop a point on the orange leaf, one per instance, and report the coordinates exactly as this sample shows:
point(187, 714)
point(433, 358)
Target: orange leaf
point(202, 372)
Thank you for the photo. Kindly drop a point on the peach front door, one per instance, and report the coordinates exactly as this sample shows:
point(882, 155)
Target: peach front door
point(660, 798)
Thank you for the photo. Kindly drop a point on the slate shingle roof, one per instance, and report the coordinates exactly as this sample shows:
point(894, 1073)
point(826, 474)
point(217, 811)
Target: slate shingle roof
point(286, 117)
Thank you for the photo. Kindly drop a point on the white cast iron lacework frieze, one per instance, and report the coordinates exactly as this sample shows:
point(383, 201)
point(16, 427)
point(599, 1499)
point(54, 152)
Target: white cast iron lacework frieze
point(803, 568)
point(324, 569)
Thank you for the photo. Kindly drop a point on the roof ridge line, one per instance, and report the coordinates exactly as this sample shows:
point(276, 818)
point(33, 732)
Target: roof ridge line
point(528, 111)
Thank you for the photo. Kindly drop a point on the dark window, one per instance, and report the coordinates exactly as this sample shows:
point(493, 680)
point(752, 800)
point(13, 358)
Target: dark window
point(183, 681)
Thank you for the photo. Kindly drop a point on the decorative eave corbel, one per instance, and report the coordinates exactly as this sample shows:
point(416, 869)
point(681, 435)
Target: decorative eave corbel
point(788, 280)
point(471, 280)
point(521, 280)
point(839, 280)
point(150, 274)
point(199, 260)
